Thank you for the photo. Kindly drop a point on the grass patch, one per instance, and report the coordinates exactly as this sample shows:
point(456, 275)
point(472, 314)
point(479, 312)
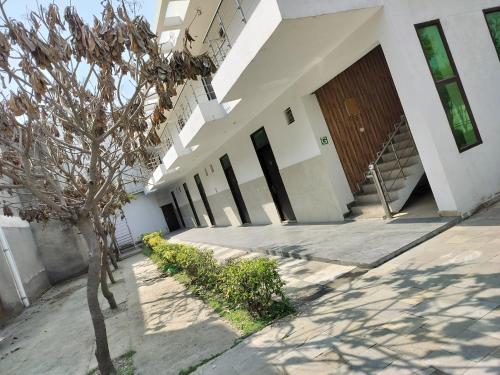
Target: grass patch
point(193, 368)
point(124, 365)
point(171, 269)
point(246, 292)
point(239, 318)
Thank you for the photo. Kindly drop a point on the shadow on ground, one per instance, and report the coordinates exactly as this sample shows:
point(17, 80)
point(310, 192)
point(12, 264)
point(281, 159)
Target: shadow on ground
point(434, 309)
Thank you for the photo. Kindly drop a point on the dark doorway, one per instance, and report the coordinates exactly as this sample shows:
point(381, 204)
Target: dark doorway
point(235, 189)
point(178, 209)
point(204, 198)
point(272, 175)
point(170, 217)
point(360, 106)
point(188, 195)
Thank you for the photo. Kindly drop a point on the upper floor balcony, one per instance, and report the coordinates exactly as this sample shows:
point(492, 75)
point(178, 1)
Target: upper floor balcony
point(260, 47)
point(229, 21)
point(196, 106)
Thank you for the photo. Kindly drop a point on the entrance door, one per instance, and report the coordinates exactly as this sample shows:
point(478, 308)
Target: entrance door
point(204, 198)
point(360, 106)
point(188, 195)
point(178, 209)
point(272, 175)
point(235, 189)
point(170, 217)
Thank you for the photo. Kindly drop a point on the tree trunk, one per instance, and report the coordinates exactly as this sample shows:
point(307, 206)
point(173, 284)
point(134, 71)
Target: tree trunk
point(104, 284)
point(110, 274)
point(103, 357)
point(104, 264)
point(115, 246)
point(113, 260)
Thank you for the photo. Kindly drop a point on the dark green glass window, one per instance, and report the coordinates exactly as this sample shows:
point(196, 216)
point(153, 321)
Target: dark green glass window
point(493, 21)
point(448, 84)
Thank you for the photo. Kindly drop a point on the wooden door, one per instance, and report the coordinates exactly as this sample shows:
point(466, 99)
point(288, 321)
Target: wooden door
point(360, 106)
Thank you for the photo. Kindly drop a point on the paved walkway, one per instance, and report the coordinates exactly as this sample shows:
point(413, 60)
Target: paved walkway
point(365, 243)
point(305, 279)
point(433, 310)
point(168, 328)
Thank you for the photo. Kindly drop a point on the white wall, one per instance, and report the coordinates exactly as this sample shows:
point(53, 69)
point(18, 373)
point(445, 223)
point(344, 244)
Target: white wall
point(460, 181)
point(291, 144)
point(144, 215)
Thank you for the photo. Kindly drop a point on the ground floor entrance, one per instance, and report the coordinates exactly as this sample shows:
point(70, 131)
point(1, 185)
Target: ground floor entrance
point(272, 174)
point(360, 106)
point(170, 217)
point(372, 137)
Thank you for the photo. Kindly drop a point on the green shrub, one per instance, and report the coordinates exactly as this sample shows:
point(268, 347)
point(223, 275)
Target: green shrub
point(146, 236)
point(254, 284)
point(165, 252)
point(153, 239)
point(199, 265)
point(245, 286)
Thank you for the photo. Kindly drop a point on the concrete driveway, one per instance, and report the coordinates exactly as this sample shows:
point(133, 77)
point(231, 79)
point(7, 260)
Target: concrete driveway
point(364, 243)
point(168, 328)
point(432, 310)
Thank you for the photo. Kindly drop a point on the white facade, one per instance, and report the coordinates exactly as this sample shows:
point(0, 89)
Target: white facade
point(278, 57)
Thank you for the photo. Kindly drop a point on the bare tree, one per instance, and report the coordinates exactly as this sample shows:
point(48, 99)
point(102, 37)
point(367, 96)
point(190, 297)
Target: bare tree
point(72, 120)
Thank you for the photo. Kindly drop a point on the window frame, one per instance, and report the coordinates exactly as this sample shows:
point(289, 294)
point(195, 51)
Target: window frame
point(455, 79)
point(485, 13)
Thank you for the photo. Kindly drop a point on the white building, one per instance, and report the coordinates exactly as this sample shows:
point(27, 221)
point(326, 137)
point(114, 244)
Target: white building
point(309, 94)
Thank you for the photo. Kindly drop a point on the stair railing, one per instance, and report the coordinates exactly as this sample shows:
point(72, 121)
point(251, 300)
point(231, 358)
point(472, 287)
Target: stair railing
point(381, 183)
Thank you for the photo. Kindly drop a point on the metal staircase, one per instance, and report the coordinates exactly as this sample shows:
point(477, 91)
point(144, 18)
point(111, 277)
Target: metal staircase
point(124, 238)
point(392, 176)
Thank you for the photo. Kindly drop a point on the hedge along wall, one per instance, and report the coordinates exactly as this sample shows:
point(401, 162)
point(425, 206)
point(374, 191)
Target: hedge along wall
point(254, 284)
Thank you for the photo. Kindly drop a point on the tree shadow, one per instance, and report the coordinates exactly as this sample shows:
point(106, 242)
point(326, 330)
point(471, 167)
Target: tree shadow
point(429, 317)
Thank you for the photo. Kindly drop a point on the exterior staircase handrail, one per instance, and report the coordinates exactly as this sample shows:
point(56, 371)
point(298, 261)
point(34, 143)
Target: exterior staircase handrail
point(381, 187)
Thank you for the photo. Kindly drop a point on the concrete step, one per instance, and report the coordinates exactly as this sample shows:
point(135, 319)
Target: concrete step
point(404, 128)
point(392, 165)
point(406, 152)
point(365, 198)
point(367, 211)
point(404, 143)
point(396, 184)
point(396, 173)
point(402, 136)
point(399, 145)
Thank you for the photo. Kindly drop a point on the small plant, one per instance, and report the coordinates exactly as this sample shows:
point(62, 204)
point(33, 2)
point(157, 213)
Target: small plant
point(152, 239)
point(165, 252)
point(199, 265)
point(247, 292)
point(252, 283)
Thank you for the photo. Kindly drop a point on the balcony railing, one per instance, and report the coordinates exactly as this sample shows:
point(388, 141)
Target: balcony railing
point(166, 142)
point(192, 94)
point(228, 23)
